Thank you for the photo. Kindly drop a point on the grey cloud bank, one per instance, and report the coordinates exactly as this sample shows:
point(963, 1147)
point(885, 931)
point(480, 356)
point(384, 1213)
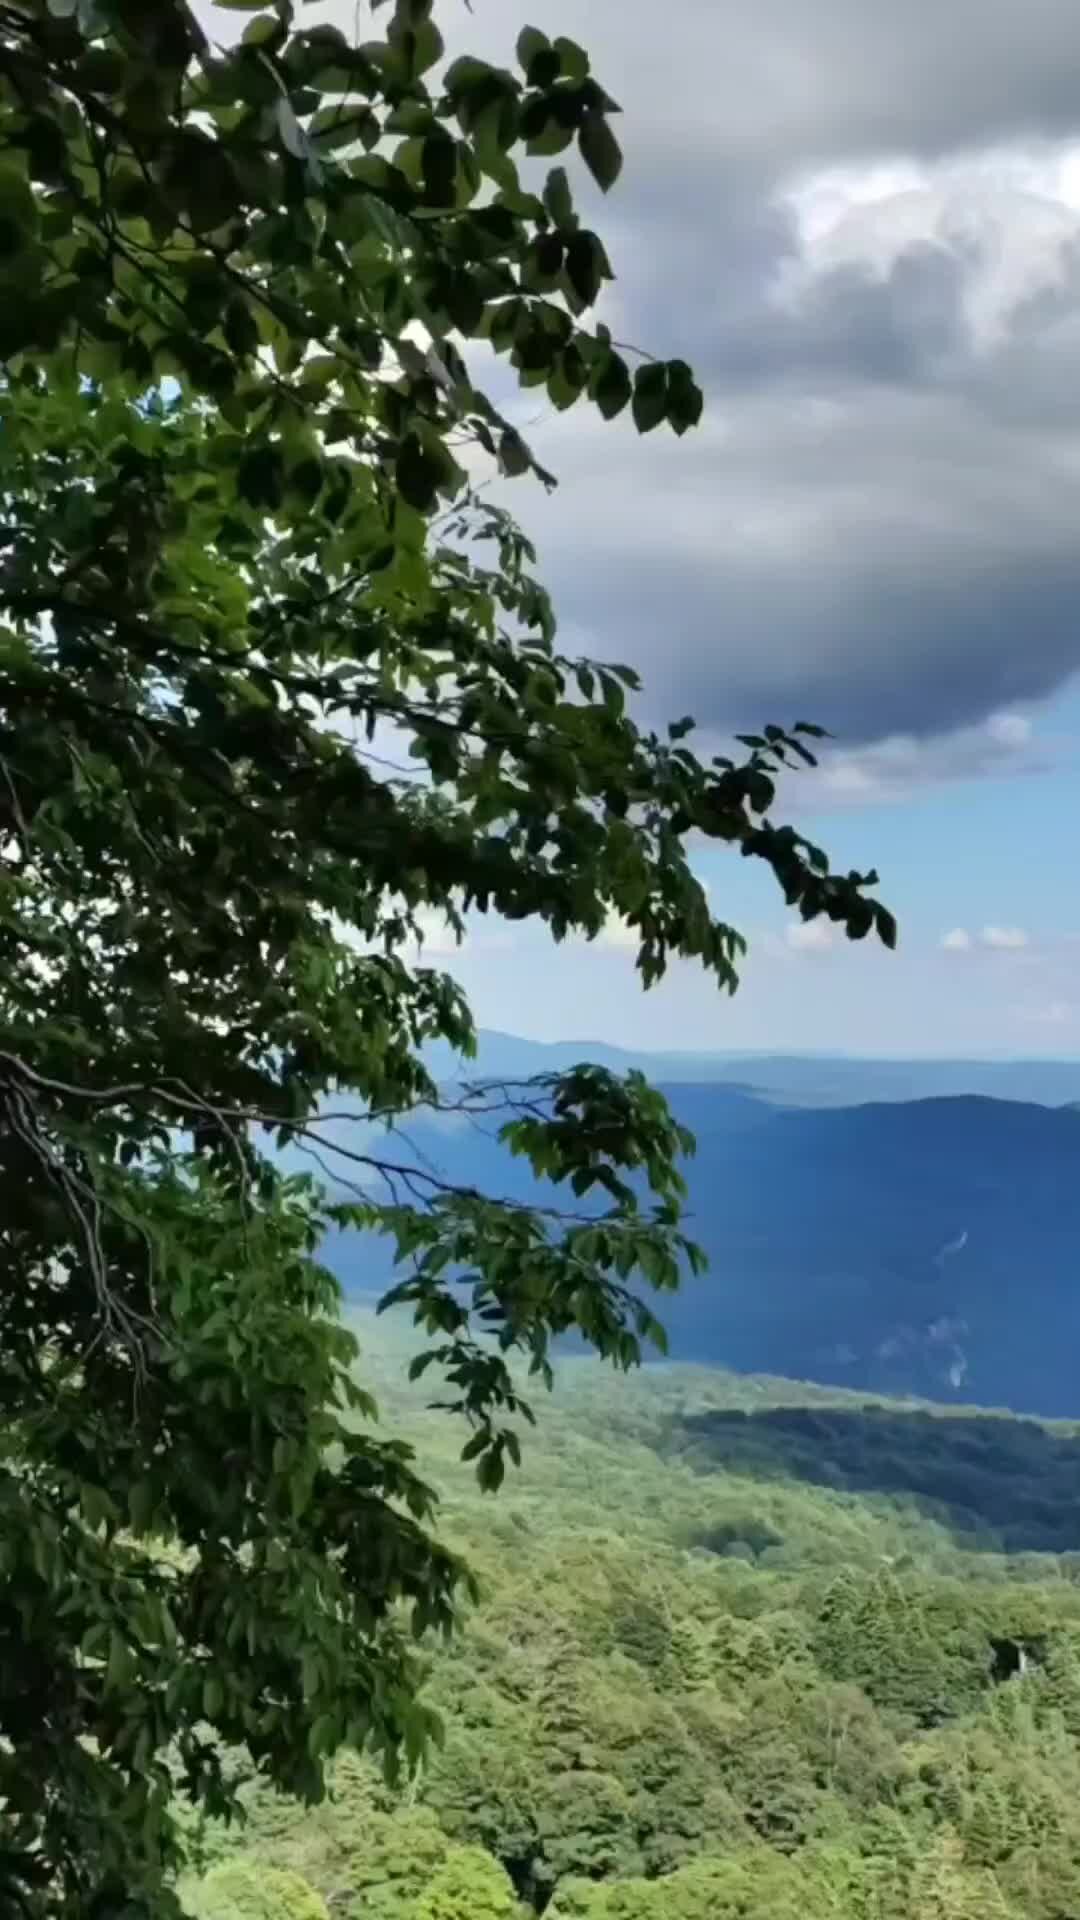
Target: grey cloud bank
point(782, 84)
point(858, 220)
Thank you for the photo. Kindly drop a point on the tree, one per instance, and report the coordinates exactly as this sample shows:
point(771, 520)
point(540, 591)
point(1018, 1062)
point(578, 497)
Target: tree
point(469, 1885)
point(923, 1654)
point(242, 570)
point(247, 1890)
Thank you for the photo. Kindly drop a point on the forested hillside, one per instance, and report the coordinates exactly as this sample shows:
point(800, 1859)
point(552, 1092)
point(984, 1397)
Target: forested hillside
point(744, 1650)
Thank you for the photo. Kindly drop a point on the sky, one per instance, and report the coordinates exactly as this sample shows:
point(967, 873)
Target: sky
point(859, 220)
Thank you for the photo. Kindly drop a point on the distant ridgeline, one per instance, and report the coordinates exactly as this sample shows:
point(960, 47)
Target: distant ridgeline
point(927, 1247)
point(812, 1080)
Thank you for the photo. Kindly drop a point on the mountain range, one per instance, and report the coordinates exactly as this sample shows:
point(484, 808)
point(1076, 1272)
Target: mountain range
point(815, 1080)
point(921, 1246)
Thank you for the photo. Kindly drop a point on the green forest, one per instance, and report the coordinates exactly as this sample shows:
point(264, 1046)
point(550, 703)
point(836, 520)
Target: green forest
point(704, 1681)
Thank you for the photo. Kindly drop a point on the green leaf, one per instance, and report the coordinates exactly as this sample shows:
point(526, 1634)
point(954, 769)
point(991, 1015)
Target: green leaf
point(466, 75)
point(586, 266)
point(240, 328)
point(573, 60)
point(549, 136)
point(323, 1735)
point(886, 928)
point(141, 1505)
point(18, 210)
point(292, 133)
point(558, 199)
point(514, 456)
point(423, 47)
point(566, 379)
point(491, 1470)
point(599, 149)
point(543, 69)
point(418, 475)
point(684, 397)
point(439, 169)
point(610, 385)
point(530, 42)
point(465, 301)
point(650, 396)
point(258, 32)
point(260, 477)
point(101, 70)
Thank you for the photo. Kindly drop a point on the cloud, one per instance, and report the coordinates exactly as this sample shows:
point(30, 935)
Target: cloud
point(810, 936)
point(888, 771)
point(967, 247)
point(1005, 939)
point(1009, 730)
point(782, 82)
point(886, 486)
point(995, 939)
point(870, 248)
point(858, 552)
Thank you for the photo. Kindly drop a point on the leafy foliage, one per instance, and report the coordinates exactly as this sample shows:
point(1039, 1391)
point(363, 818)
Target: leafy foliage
point(242, 1889)
point(242, 570)
point(469, 1885)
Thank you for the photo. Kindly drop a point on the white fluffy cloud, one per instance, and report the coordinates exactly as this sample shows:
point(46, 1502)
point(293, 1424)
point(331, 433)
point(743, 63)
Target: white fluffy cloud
point(1005, 939)
point(888, 771)
point(811, 936)
point(995, 939)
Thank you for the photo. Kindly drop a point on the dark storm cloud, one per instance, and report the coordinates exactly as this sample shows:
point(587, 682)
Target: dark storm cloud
point(876, 527)
point(850, 325)
point(782, 84)
point(878, 523)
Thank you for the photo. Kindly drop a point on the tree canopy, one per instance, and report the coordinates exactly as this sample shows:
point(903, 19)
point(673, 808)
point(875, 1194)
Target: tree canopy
point(276, 680)
point(642, 1726)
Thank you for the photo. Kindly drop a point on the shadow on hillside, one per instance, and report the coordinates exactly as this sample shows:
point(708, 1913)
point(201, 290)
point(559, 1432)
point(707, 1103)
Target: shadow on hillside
point(999, 1484)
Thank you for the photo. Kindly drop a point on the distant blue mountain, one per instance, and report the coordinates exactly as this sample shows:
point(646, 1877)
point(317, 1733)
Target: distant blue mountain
point(928, 1247)
point(813, 1080)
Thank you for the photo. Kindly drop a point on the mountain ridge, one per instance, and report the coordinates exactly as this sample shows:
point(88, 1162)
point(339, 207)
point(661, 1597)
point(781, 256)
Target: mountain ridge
point(819, 1079)
point(929, 1247)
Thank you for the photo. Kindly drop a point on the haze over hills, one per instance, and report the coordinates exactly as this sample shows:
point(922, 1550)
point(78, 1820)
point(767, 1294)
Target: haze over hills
point(816, 1080)
point(926, 1246)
